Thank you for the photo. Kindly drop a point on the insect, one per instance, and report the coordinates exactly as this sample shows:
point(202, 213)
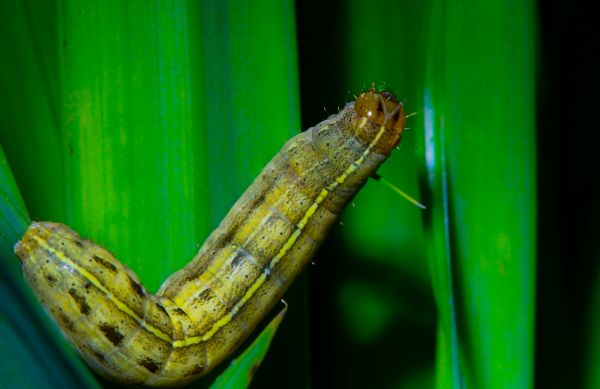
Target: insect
point(204, 311)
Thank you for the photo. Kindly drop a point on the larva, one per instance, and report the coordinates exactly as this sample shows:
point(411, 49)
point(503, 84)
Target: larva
point(204, 311)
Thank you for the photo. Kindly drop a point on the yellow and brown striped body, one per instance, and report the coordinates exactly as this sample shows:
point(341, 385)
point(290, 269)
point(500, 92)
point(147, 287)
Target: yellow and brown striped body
point(203, 312)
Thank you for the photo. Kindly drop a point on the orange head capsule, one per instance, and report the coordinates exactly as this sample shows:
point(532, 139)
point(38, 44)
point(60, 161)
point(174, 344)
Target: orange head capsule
point(380, 109)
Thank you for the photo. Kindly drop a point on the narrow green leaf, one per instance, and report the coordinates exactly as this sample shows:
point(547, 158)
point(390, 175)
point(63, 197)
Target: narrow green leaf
point(30, 96)
point(13, 215)
point(480, 154)
point(241, 371)
point(438, 226)
point(28, 340)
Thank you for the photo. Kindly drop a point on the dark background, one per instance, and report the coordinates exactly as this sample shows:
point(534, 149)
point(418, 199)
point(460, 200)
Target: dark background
point(568, 195)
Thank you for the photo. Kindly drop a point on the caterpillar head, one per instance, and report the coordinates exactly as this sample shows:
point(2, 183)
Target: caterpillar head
point(381, 119)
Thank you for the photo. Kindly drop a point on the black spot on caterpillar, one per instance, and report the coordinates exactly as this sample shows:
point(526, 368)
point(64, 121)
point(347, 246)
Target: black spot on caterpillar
point(104, 263)
point(203, 312)
point(112, 333)
point(150, 365)
point(84, 308)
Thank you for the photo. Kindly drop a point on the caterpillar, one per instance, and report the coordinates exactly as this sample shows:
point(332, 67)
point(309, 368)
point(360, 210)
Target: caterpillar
point(204, 311)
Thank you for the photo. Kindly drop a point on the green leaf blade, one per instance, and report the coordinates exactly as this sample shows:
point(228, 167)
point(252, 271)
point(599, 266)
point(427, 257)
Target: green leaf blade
point(480, 55)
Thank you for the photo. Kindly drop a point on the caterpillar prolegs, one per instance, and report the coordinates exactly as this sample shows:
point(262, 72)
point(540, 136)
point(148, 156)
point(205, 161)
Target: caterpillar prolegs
point(204, 311)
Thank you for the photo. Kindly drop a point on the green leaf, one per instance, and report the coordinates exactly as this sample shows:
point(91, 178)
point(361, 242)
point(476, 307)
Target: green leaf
point(479, 148)
point(33, 352)
point(13, 215)
point(151, 119)
point(241, 371)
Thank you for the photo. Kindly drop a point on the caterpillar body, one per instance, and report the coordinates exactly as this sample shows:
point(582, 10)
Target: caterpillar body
point(204, 311)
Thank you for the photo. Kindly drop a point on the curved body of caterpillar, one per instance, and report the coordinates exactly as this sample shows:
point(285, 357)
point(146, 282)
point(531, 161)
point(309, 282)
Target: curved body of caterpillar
point(204, 311)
